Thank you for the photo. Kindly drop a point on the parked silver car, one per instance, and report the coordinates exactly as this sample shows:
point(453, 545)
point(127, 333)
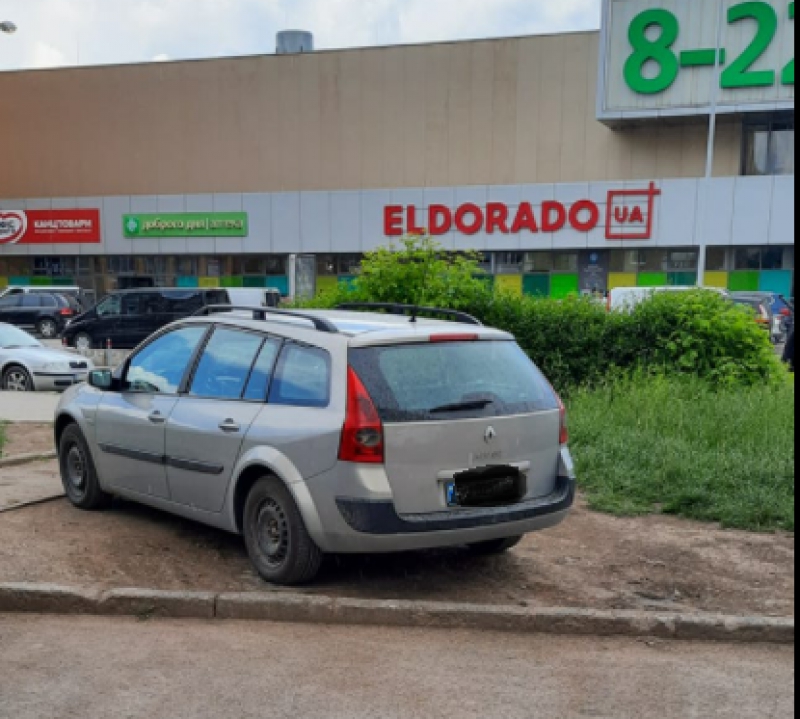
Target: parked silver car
point(26, 365)
point(326, 432)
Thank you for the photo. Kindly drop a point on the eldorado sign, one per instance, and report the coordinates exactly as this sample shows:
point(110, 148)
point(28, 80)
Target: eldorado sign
point(49, 227)
point(629, 215)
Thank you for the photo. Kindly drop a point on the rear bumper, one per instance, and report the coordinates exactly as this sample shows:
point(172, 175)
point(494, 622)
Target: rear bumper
point(381, 519)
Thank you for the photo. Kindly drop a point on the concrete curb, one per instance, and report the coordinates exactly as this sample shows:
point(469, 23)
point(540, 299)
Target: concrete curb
point(310, 609)
point(22, 459)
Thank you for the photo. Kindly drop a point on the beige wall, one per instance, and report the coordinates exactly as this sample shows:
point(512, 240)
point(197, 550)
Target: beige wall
point(490, 112)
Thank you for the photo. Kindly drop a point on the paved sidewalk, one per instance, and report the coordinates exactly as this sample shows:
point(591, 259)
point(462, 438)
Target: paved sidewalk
point(59, 667)
point(27, 406)
point(30, 483)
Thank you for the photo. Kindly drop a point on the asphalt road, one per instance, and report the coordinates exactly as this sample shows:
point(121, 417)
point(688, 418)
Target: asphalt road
point(60, 668)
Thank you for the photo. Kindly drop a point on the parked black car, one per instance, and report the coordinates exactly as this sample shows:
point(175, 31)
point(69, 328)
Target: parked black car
point(128, 318)
point(41, 312)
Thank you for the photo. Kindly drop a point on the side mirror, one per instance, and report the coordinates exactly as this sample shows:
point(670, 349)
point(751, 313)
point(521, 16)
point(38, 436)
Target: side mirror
point(101, 379)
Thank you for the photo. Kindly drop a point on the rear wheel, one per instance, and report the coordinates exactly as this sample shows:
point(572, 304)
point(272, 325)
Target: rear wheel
point(83, 342)
point(494, 547)
point(47, 328)
point(78, 473)
point(277, 540)
point(17, 379)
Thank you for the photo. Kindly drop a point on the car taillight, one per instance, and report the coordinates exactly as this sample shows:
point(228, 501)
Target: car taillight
point(564, 434)
point(362, 437)
point(67, 312)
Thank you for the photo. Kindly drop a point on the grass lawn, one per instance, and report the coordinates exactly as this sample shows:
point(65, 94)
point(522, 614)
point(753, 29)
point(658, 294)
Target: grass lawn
point(680, 447)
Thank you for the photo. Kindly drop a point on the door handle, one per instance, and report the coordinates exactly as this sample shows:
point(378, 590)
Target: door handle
point(157, 418)
point(230, 426)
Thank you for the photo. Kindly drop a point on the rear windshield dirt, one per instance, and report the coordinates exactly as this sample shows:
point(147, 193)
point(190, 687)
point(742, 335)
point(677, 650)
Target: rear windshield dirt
point(436, 382)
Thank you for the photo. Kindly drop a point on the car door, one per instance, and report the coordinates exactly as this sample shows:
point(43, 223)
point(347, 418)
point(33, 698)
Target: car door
point(10, 308)
point(207, 428)
point(131, 424)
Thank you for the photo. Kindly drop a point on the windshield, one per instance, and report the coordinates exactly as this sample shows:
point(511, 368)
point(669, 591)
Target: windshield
point(456, 380)
point(12, 337)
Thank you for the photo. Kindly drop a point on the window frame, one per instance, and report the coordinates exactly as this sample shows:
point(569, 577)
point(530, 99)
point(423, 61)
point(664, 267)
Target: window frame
point(778, 122)
point(185, 391)
point(125, 388)
point(280, 363)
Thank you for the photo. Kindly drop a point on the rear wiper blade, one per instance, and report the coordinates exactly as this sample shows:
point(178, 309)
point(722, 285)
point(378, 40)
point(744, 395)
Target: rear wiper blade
point(462, 406)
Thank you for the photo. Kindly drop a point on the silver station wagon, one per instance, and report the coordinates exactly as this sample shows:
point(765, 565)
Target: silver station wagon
point(362, 430)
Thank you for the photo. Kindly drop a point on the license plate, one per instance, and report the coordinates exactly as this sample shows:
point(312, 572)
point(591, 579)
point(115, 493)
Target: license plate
point(469, 490)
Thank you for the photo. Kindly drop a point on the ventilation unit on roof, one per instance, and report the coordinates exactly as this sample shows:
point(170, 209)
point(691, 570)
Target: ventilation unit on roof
point(295, 42)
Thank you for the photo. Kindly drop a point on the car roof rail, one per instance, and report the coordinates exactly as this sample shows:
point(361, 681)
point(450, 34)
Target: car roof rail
point(411, 310)
point(262, 314)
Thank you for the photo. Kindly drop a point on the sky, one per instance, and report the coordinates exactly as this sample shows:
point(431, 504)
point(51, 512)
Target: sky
point(56, 33)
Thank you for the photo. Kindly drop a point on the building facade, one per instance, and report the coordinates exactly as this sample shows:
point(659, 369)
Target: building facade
point(575, 163)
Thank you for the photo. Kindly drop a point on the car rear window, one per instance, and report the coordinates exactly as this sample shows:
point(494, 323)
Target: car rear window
point(303, 378)
point(418, 383)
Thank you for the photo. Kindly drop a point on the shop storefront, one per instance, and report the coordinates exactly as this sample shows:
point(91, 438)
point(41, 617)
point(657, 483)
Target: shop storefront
point(567, 179)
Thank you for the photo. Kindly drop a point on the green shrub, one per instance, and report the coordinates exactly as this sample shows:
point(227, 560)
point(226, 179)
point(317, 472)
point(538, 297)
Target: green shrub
point(576, 342)
point(680, 446)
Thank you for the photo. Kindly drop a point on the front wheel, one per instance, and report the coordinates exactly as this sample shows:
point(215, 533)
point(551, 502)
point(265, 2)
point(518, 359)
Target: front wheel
point(277, 540)
point(78, 473)
point(17, 379)
point(494, 547)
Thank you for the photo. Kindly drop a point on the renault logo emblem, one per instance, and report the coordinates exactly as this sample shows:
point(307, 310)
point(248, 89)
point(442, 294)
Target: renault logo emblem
point(491, 435)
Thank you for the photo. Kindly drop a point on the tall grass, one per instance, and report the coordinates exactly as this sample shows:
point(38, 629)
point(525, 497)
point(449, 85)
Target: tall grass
point(683, 447)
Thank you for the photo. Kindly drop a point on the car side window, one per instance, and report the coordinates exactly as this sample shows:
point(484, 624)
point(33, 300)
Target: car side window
point(161, 366)
point(31, 301)
point(10, 301)
point(226, 364)
point(110, 307)
point(303, 377)
point(48, 301)
point(261, 375)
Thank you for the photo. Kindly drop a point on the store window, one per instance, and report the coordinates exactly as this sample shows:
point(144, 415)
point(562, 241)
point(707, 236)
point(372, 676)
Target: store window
point(14, 266)
point(54, 266)
point(349, 264)
point(254, 266)
point(538, 262)
point(626, 261)
point(748, 258)
point(277, 265)
point(565, 262)
point(653, 261)
point(717, 259)
point(770, 146)
point(683, 260)
point(326, 265)
point(509, 263)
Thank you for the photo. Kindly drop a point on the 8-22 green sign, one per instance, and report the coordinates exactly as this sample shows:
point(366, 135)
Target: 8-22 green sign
point(738, 73)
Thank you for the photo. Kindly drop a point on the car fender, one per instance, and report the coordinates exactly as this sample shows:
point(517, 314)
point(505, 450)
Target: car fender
point(80, 404)
point(275, 462)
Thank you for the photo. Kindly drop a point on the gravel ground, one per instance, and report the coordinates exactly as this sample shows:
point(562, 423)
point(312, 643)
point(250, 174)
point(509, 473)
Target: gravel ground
point(592, 561)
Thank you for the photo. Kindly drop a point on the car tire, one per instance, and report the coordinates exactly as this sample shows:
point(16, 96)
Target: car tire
point(276, 537)
point(17, 379)
point(83, 342)
point(47, 328)
point(494, 547)
point(78, 473)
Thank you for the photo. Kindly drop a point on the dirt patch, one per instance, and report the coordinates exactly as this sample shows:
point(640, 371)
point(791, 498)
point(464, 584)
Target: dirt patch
point(592, 561)
point(28, 438)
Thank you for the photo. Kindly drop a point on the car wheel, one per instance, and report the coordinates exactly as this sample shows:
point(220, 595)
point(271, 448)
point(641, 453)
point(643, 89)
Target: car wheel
point(78, 473)
point(47, 328)
point(17, 379)
point(277, 540)
point(495, 547)
point(83, 342)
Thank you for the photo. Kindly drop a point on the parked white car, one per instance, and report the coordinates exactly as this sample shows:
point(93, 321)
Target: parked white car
point(26, 365)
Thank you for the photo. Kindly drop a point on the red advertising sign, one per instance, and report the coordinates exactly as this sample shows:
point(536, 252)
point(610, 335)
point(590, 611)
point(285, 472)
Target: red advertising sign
point(50, 227)
point(629, 216)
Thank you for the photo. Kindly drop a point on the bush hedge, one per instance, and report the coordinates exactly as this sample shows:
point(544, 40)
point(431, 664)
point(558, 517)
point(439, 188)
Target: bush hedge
point(576, 342)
